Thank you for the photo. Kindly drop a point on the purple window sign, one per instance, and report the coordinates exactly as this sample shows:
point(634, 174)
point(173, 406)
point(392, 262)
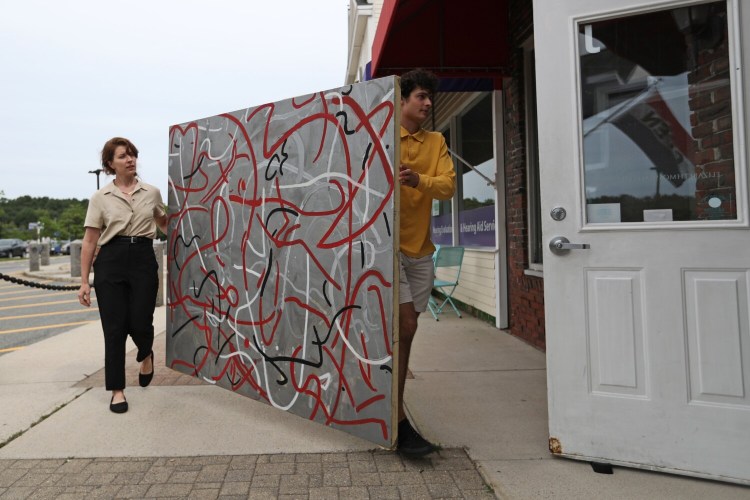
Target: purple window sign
point(477, 227)
point(442, 229)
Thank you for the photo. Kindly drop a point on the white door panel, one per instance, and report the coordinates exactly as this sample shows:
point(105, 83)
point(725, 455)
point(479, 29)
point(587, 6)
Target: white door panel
point(615, 331)
point(644, 143)
point(716, 307)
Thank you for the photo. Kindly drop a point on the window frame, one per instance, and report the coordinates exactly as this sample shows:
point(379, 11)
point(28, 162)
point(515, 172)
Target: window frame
point(738, 100)
point(455, 126)
point(535, 245)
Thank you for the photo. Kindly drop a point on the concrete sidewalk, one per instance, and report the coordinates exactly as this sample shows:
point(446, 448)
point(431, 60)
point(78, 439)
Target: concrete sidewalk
point(476, 391)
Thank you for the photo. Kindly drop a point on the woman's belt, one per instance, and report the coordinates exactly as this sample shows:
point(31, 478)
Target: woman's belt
point(131, 240)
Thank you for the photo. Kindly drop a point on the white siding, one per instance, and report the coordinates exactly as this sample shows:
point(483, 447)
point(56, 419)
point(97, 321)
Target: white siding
point(476, 285)
point(377, 7)
point(363, 22)
point(446, 105)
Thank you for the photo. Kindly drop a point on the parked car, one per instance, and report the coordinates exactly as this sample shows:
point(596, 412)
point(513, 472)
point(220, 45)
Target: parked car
point(54, 247)
point(65, 248)
point(12, 248)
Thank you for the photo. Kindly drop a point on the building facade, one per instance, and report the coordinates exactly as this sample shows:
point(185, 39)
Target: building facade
point(481, 112)
point(601, 149)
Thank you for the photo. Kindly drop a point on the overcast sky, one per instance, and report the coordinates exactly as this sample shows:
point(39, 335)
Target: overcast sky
point(74, 73)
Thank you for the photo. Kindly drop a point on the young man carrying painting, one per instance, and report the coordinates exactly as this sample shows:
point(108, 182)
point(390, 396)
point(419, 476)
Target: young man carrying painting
point(426, 173)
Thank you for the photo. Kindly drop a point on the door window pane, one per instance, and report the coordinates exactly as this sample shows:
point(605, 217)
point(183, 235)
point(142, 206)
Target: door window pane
point(657, 117)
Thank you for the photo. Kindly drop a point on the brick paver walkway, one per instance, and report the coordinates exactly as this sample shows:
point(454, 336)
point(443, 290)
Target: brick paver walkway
point(377, 475)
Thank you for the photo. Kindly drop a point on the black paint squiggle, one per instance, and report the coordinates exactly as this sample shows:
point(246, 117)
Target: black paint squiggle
point(184, 244)
point(387, 226)
point(325, 292)
point(280, 171)
point(280, 209)
point(268, 271)
point(367, 155)
point(273, 360)
point(196, 357)
point(345, 126)
point(217, 310)
point(222, 346)
point(197, 169)
point(186, 323)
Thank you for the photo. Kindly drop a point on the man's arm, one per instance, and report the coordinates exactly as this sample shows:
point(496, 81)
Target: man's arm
point(443, 184)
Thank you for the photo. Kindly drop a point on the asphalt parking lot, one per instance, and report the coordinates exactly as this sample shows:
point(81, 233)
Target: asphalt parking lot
point(28, 315)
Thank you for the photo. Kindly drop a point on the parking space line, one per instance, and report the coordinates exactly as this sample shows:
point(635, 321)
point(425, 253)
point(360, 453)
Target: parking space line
point(11, 349)
point(54, 313)
point(15, 292)
point(54, 294)
point(46, 327)
point(23, 306)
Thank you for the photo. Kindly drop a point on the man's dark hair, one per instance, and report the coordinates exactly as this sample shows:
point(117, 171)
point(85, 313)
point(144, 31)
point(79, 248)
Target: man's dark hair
point(418, 78)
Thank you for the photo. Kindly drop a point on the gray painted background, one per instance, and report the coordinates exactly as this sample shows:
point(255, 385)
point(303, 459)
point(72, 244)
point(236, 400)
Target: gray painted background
point(281, 254)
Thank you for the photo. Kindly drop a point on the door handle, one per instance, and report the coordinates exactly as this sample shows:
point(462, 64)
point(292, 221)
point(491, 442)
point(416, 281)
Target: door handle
point(560, 245)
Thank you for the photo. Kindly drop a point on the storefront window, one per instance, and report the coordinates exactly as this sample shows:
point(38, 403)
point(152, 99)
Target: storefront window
point(476, 199)
point(657, 117)
point(442, 212)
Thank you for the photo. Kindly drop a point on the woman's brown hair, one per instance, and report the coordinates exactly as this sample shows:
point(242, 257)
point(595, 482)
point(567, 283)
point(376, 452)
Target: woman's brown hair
point(108, 152)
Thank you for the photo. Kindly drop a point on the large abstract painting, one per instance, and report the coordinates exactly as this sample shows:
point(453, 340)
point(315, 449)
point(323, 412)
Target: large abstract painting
point(282, 226)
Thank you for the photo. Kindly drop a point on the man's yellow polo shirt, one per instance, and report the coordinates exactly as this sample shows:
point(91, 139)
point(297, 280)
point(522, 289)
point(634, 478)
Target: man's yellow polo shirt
point(426, 154)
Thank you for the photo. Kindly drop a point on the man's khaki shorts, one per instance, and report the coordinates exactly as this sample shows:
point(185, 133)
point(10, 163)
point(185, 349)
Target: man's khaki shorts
point(415, 280)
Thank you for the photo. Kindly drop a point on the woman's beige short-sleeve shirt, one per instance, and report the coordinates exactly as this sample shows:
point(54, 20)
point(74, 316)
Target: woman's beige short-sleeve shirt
point(111, 211)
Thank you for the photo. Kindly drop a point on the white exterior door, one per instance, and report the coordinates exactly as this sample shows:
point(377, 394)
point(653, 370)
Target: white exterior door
point(643, 113)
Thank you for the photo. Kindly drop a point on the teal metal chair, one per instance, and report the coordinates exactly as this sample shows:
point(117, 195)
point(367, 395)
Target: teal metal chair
point(448, 261)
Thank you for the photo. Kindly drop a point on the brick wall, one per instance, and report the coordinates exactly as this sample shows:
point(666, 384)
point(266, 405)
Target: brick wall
point(526, 293)
point(711, 120)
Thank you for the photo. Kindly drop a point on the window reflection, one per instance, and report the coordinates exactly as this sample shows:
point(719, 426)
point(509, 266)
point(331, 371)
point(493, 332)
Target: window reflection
point(657, 124)
point(442, 218)
point(476, 200)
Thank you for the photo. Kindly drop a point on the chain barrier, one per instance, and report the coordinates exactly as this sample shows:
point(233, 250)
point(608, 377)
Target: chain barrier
point(34, 284)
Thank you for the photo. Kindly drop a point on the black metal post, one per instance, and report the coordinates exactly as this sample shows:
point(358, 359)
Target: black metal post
point(97, 172)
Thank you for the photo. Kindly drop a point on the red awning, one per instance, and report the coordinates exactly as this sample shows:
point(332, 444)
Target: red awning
point(454, 39)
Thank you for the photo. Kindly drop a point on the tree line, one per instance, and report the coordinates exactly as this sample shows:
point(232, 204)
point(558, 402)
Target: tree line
point(62, 218)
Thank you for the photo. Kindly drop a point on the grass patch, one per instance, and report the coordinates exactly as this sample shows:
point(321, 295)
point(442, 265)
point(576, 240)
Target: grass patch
point(41, 419)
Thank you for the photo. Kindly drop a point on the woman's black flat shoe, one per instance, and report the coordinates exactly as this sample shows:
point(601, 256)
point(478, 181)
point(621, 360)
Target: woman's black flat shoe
point(145, 378)
point(120, 407)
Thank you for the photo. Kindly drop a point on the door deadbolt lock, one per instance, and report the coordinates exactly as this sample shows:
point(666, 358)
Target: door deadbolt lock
point(560, 245)
point(558, 213)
